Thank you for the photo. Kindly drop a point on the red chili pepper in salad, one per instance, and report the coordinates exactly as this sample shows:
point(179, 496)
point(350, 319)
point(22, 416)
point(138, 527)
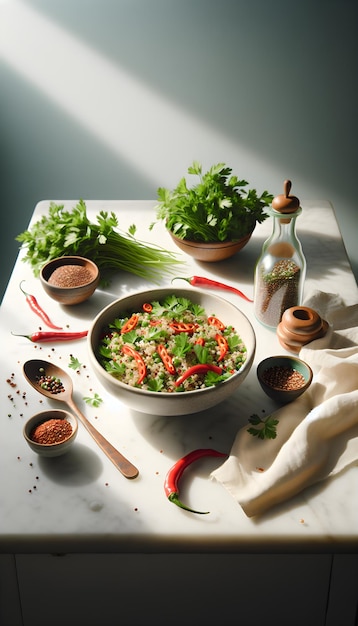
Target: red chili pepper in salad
point(181, 327)
point(223, 345)
point(130, 324)
point(200, 368)
point(171, 484)
point(48, 336)
point(214, 321)
point(142, 370)
point(200, 341)
point(166, 358)
point(214, 284)
point(147, 307)
point(36, 308)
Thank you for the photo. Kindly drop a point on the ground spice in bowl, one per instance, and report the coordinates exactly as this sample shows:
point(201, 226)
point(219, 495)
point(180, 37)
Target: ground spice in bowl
point(280, 377)
point(51, 431)
point(66, 276)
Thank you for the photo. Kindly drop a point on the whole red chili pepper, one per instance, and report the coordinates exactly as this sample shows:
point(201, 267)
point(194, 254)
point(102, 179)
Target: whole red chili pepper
point(181, 327)
point(48, 336)
point(214, 321)
point(34, 306)
point(130, 324)
point(171, 484)
point(200, 368)
point(166, 358)
point(142, 370)
point(214, 284)
point(223, 345)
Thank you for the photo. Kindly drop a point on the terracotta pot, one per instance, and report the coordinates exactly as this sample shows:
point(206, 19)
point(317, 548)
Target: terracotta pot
point(213, 251)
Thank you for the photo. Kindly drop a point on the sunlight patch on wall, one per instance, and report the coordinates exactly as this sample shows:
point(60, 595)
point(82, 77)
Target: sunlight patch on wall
point(151, 133)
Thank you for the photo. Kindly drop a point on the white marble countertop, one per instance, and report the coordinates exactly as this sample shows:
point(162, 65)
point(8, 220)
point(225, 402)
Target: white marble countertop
point(81, 503)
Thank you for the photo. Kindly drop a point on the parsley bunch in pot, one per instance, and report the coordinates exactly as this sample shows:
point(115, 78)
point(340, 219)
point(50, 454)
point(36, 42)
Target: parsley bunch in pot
point(215, 218)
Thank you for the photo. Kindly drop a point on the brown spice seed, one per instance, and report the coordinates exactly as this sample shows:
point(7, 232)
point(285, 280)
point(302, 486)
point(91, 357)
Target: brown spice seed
point(283, 378)
point(70, 276)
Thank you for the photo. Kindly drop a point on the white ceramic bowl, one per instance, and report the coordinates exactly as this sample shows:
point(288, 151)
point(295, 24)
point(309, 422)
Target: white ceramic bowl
point(183, 403)
point(54, 449)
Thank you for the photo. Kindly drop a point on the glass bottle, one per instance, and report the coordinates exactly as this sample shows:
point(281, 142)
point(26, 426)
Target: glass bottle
point(281, 269)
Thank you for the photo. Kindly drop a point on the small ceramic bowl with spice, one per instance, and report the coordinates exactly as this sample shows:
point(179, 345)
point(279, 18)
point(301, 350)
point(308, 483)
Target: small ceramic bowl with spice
point(70, 279)
point(51, 433)
point(284, 378)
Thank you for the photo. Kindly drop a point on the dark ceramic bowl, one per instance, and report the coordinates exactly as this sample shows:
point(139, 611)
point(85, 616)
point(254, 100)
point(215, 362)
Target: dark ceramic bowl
point(76, 279)
point(50, 449)
point(278, 376)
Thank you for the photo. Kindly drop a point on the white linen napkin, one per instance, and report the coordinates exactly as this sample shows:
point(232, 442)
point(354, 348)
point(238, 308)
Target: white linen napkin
point(317, 434)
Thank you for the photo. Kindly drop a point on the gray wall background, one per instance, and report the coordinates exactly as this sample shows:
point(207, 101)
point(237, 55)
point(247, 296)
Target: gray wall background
point(110, 99)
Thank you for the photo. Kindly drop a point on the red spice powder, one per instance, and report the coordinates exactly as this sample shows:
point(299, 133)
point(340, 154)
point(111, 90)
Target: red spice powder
point(51, 431)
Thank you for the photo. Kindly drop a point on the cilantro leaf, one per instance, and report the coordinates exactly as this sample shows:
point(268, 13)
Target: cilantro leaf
point(74, 363)
point(95, 401)
point(266, 427)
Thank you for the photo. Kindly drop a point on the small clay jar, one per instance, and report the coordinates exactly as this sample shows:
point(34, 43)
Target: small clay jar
point(299, 325)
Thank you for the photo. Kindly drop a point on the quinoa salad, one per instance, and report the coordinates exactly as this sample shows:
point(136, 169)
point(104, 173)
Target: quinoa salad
point(171, 346)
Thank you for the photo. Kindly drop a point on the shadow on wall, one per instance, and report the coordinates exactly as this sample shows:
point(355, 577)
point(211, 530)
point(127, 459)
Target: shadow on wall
point(229, 81)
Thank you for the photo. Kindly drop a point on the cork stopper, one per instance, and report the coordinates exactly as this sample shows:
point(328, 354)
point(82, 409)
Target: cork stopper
point(284, 203)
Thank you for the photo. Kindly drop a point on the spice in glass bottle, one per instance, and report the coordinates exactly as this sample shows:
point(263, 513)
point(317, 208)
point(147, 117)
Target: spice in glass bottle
point(281, 268)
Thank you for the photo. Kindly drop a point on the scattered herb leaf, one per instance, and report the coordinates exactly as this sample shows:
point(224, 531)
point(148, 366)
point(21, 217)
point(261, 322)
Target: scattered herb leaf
point(266, 427)
point(74, 363)
point(95, 401)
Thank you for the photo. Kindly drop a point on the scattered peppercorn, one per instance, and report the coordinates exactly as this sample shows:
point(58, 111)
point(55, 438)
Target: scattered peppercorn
point(51, 383)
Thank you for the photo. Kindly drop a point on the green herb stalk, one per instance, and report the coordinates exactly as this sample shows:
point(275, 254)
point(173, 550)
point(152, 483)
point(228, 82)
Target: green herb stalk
point(66, 233)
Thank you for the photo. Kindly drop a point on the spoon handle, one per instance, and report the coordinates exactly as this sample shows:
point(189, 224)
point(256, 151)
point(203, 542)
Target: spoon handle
point(125, 467)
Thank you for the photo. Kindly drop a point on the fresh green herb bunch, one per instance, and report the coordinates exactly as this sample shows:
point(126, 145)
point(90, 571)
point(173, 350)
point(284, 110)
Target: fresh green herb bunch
point(217, 208)
point(64, 233)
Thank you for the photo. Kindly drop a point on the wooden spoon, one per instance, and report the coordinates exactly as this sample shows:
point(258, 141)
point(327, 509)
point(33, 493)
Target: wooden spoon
point(36, 368)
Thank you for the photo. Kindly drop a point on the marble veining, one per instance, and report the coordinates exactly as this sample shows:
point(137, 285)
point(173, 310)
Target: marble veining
point(81, 502)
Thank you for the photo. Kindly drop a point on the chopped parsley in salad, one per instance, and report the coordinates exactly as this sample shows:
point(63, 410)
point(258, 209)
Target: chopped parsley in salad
point(171, 346)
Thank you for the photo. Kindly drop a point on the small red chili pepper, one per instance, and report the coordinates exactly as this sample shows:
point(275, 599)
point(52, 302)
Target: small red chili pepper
point(36, 308)
point(200, 341)
point(200, 368)
point(142, 370)
point(171, 484)
point(214, 321)
point(130, 324)
point(147, 307)
point(223, 345)
point(166, 358)
point(47, 336)
point(180, 327)
point(207, 282)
